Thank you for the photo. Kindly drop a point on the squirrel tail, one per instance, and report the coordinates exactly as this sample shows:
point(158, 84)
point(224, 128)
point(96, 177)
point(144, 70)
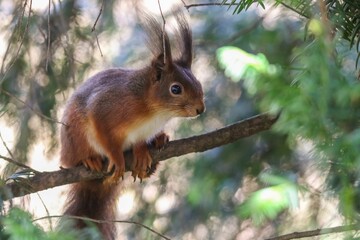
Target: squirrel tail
point(96, 200)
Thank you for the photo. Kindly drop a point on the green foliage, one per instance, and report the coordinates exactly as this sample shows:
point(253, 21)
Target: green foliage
point(239, 64)
point(304, 8)
point(242, 5)
point(19, 224)
point(317, 100)
point(269, 202)
point(345, 15)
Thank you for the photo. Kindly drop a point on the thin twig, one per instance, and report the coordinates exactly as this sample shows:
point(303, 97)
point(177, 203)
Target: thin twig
point(317, 232)
point(6, 53)
point(21, 43)
point(18, 29)
point(97, 19)
point(94, 27)
point(294, 10)
point(185, 5)
point(163, 31)
point(65, 44)
point(48, 39)
point(246, 30)
point(208, 4)
point(98, 44)
point(249, 28)
point(46, 209)
point(31, 108)
point(105, 221)
point(10, 160)
point(235, 4)
point(6, 146)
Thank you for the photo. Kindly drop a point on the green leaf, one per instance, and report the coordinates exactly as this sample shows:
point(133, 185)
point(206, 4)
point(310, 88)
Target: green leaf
point(18, 224)
point(269, 202)
point(237, 63)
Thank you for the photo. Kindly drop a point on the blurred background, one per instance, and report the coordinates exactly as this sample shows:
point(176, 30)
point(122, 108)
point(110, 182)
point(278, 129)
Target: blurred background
point(297, 57)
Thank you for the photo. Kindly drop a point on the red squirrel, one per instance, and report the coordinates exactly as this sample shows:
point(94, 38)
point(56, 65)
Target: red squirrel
point(119, 109)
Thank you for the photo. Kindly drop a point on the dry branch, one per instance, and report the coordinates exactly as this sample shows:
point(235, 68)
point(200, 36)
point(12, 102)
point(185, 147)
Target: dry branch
point(317, 232)
point(200, 143)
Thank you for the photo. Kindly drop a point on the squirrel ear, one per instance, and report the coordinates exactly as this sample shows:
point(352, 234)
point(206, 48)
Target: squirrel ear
point(158, 43)
point(162, 62)
point(159, 66)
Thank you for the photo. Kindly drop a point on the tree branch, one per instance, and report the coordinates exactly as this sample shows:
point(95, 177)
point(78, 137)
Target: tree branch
point(317, 232)
point(200, 143)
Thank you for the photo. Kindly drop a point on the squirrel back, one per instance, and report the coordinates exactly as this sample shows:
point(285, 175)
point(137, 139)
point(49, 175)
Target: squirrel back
point(119, 109)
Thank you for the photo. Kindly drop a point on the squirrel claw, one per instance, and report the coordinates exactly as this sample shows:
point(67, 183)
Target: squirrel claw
point(135, 175)
point(117, 170)
point(110, 166)
point(114, 179)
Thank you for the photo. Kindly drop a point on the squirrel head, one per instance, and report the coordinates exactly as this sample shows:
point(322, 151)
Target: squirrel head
point(174, 89)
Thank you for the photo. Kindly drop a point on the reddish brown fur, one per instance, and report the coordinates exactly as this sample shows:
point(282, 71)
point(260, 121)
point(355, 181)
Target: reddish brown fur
point(118, 109)
point(75, 147)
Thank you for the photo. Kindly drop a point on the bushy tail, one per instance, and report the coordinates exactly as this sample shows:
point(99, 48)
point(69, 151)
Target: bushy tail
point(93, 199)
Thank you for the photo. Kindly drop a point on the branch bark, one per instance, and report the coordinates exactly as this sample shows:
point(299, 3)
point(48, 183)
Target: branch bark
point(44, 180)
point(317, 232)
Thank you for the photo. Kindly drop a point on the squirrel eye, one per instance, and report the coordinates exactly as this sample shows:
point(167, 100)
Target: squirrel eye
point(175, 89)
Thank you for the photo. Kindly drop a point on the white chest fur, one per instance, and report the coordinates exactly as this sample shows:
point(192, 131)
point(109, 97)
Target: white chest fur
point(146, 130)
point(140, 131)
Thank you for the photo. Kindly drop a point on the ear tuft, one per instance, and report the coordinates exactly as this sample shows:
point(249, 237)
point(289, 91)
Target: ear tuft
point(184, 37)
point(157, 40)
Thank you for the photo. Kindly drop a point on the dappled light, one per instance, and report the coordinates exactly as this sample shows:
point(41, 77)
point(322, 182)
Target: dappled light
point(276, 152)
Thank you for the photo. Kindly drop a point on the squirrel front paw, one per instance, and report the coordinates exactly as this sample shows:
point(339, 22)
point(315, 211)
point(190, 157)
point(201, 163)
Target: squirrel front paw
point(142, 162)
point(160, 140)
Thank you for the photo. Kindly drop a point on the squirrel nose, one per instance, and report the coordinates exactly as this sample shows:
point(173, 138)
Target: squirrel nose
point(200, 109)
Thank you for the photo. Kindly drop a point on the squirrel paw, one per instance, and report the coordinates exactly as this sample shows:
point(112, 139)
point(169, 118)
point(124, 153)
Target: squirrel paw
point(141, 162)
point(93, 163)
point(118, 172)
point(160, 140)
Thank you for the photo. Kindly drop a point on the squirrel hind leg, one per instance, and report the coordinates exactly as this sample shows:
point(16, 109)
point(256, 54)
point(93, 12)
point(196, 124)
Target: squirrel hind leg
point(74, 144)
point(74, 147)
point(94, 163)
